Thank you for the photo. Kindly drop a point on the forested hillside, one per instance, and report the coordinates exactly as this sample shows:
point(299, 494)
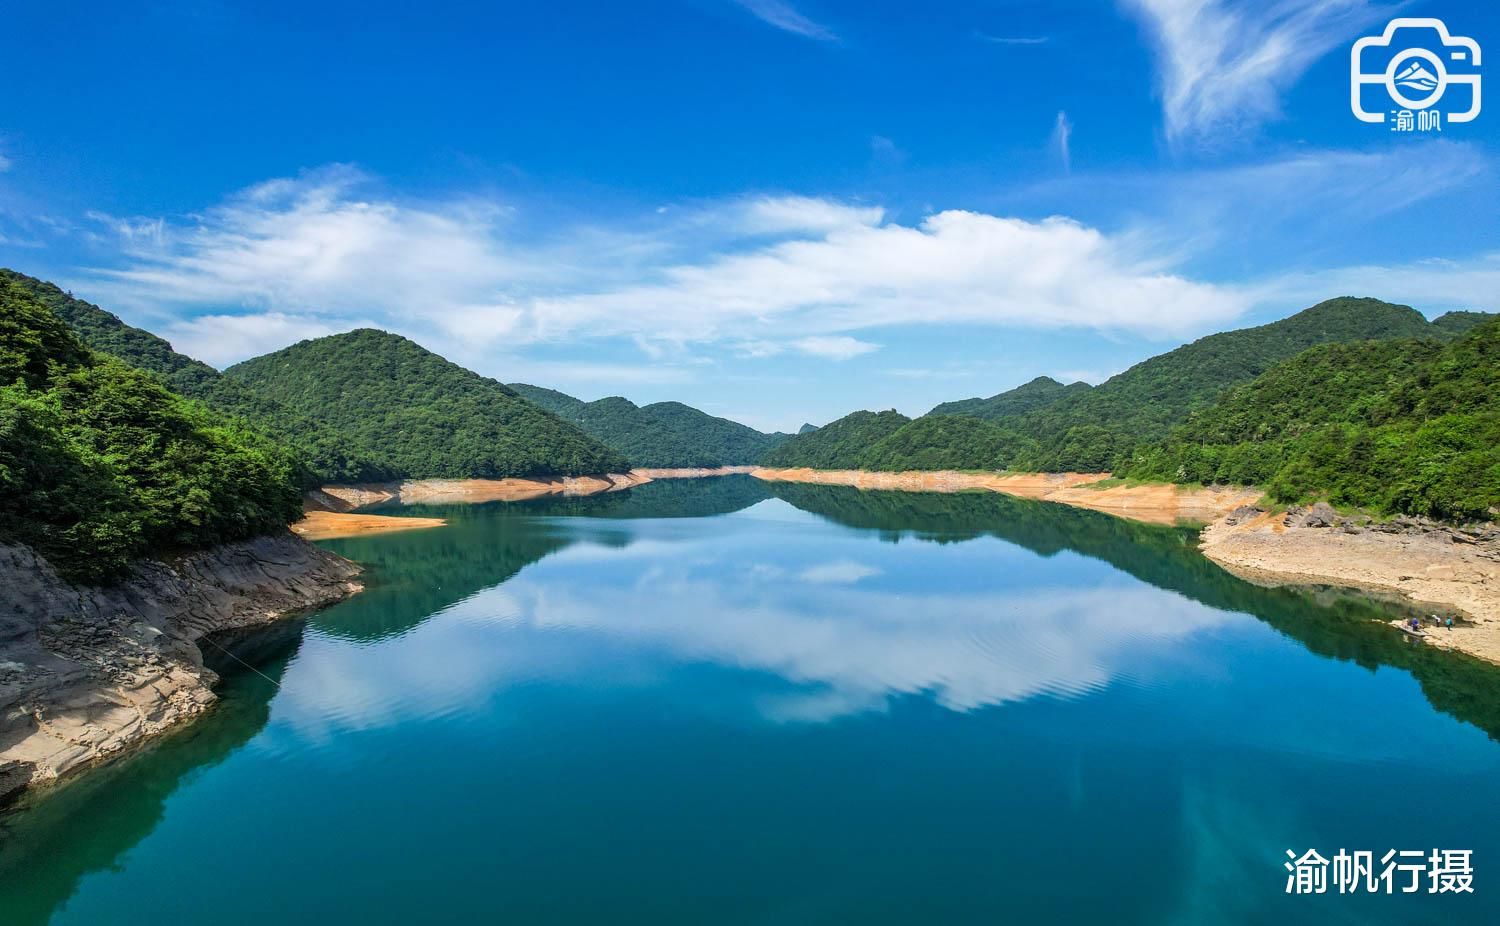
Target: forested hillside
point(946, 442)
point(430, 417)
point(839, 444)
point(1098, 429)
point(1397, 426)
point(664, 434)
point(1039, 393)
point(100, 464)
point(329, 455)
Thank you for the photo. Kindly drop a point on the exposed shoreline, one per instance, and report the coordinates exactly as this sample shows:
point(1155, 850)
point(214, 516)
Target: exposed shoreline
point(317, 524)
point(328, 511)
point(87, 672)
point(1154, 504)
point(1425, 566)
point(1444, 569)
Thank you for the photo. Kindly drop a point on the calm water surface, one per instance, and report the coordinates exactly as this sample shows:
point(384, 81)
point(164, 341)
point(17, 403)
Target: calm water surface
point(721, 701)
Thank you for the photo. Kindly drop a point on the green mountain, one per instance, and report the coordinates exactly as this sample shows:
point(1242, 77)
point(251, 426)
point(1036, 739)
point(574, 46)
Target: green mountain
point(663, 434)
point(331, 456)
point(430, 417)
point(1098, 428)
point(1457, 323)
point(1404, 425)
point(1040, 392)
point(807, 428)
point(839, 444)
point(945, 442)
point(101, 464)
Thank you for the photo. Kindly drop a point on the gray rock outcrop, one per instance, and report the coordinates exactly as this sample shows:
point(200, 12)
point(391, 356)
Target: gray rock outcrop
point(87, 671)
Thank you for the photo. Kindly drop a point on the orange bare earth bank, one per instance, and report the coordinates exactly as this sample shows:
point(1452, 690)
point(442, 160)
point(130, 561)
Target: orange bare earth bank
point(1156, 504)
point(329, 510)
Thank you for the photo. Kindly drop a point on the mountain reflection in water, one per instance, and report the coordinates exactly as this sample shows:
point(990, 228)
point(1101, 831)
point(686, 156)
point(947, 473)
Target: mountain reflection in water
point(884, 704)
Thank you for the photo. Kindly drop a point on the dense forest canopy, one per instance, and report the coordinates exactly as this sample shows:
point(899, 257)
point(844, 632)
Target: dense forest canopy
point(1355, 400)
point(1028, 397)
point(431, 418)
point(100, 464)
point(1098, 429)
point(106, 453)
point(945, 442)
point(328, 455)
point(663, 434)
point(890, 442)
point(838, 444)
point(1404, 425)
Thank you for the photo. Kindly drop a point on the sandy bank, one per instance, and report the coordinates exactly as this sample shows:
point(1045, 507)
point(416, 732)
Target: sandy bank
point(87, 671)
point(328, 525)
point(1447, 569)
point(447, 491)
point(694, 472)
point(327, 510)
point(1156, 504)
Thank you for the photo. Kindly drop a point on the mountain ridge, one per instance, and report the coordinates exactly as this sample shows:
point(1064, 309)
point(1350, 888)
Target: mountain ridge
point(432, 417)
point(330, 456)
point(659, 435)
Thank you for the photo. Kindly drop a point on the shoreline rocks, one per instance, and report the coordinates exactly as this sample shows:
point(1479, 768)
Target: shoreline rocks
point(1445, 567)
point(86, 672)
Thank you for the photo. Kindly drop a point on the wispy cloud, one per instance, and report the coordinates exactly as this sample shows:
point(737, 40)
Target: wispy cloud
point(1223, 64)
point(1062, 134)
point(885, 151)
point(837, 347)
point(1299, 207)
point(784, 16)
point(1012, 40)
point(839, 572)
point(778, 273)
point(1433, 285)
point(220, 340)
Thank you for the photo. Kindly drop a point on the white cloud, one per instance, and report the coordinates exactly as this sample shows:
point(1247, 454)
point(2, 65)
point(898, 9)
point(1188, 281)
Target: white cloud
point(789, 214)
point(1093, 377)
point(1062, 134)
point(839, 572)
point(952, 267)
point(1223, 64)
point(314, 244)
point(837, 347)
point(220, 340)
point(757, 275)
point(783, 16)
point(1433, 285)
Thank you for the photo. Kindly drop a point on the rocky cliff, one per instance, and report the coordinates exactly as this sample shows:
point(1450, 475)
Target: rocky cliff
point(88, 671)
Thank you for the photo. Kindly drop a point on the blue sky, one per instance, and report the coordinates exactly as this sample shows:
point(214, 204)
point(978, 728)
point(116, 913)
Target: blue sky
point(777, 210)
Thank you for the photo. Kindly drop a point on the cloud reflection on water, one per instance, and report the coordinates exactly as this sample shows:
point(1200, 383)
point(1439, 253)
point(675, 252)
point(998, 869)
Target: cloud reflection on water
point(839, 643)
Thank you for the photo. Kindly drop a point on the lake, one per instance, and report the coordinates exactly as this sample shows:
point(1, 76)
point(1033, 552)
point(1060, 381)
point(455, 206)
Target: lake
point(727, 701)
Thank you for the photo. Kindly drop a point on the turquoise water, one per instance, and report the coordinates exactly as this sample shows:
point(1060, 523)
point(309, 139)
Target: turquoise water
point(722, 701)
